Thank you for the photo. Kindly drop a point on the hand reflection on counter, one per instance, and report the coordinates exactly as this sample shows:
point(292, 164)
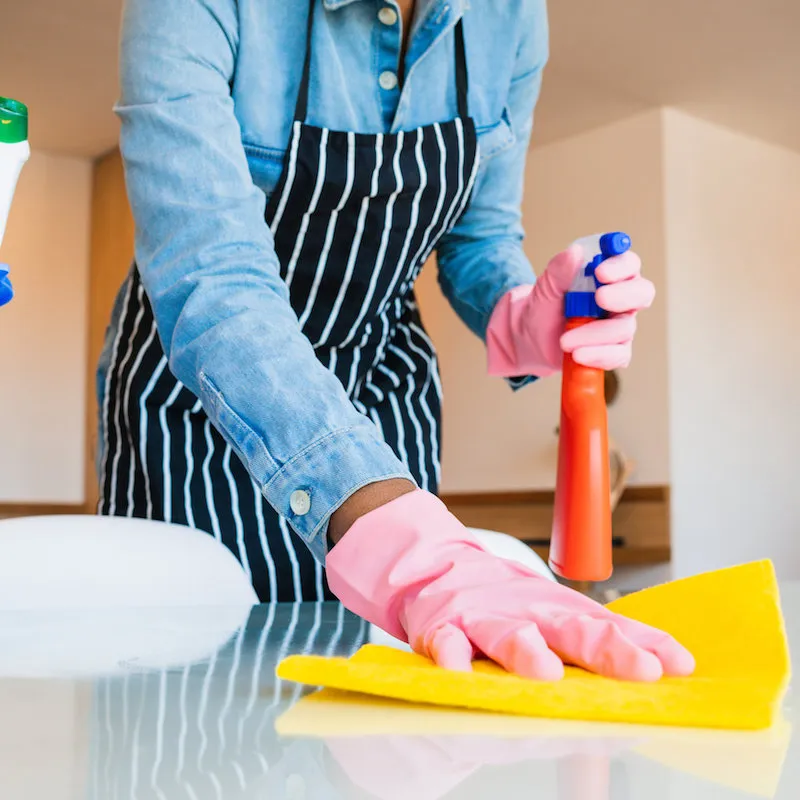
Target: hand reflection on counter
point(429, 768)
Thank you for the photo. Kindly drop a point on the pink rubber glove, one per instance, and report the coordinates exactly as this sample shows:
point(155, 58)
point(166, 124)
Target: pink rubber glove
point(526, 330)
point(414, 570)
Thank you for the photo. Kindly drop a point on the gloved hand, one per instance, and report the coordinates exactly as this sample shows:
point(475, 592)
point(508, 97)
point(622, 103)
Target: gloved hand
point(526, 333)
point(411, 568)
point(6, 290)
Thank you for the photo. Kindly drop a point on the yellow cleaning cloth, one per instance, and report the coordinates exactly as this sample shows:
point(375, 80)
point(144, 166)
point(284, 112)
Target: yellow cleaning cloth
point(730, 620)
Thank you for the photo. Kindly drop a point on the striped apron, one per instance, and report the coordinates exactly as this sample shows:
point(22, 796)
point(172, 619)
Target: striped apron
point(354, 218)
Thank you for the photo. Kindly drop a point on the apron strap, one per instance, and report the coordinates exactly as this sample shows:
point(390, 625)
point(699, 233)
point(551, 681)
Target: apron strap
point(462, 81)
point(301, 106)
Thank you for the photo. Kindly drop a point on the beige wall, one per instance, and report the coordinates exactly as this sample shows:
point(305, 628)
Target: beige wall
point(494, 439)
point(43, 334)
point(733, 205)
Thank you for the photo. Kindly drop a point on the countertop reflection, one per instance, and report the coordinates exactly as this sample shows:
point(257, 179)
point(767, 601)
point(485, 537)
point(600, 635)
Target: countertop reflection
point(171, 703)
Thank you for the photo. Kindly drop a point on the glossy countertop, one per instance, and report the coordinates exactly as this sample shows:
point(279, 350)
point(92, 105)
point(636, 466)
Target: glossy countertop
point(183, 703)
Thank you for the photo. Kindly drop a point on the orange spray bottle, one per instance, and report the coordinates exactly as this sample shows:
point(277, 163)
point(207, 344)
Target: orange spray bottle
point(580, 545)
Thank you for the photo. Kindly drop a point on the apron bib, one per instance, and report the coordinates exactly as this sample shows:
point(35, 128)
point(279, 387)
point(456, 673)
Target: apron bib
point(354, 217)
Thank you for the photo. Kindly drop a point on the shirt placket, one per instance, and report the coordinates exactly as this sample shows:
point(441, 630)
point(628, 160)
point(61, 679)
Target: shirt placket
point(437, 20)
point(388, 60)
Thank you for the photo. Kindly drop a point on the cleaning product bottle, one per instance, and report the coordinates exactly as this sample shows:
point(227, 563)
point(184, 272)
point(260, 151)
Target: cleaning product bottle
point(580, 546)
point(14, 152)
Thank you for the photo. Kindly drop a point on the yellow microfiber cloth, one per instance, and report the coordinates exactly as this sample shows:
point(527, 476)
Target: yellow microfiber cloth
point(729, 619)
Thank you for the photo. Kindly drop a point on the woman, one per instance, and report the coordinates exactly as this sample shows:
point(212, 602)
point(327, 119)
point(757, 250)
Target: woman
point(267, 377)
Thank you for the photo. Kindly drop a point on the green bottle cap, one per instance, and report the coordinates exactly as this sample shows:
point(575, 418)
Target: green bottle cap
point(13, 121)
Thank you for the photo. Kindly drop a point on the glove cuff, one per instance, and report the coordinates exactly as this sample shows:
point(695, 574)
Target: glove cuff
point(512, 349)
point(390, 554)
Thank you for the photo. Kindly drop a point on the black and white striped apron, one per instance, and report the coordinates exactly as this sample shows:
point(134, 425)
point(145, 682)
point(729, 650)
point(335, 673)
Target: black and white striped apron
point(354, 217)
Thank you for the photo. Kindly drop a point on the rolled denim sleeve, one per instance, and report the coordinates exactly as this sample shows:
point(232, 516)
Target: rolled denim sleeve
point(209, 267)
point(482, 258)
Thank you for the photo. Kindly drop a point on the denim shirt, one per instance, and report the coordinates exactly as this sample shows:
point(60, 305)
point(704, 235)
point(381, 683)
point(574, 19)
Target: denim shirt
point(207, 102)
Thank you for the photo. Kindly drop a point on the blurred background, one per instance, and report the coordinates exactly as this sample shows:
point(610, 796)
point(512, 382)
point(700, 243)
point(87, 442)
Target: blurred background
point(677, 122)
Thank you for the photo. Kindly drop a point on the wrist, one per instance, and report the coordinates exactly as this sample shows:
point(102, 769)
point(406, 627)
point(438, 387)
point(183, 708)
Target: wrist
point(361, 502)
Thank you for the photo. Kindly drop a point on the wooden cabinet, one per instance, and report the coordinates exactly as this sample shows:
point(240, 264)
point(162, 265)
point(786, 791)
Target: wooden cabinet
point(111, 257)
point(640, 523)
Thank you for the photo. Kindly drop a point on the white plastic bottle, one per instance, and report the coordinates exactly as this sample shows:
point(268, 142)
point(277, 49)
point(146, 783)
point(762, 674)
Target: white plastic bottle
point(14, 152)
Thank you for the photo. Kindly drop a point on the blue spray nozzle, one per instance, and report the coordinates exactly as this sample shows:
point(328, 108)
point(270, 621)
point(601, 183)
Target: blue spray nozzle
point(580, 300)
point(614, 244)
point(6, 290)
point(588, 270)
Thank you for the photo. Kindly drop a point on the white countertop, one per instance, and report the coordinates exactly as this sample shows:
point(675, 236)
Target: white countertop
point(183, 704)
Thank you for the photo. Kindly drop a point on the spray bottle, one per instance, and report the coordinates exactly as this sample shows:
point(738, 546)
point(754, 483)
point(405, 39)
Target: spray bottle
point(580, 546)
point(14, 152)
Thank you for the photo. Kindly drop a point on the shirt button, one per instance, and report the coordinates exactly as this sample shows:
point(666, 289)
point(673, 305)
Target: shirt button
point(388, 16)
point(388, 80)
point(300, 503)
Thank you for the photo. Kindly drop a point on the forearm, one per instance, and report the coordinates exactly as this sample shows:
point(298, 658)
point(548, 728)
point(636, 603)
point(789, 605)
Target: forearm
point(482, 258)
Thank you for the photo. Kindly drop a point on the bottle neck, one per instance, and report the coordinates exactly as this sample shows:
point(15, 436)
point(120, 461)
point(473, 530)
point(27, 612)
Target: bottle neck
point(16, 153)
point(576, 322)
